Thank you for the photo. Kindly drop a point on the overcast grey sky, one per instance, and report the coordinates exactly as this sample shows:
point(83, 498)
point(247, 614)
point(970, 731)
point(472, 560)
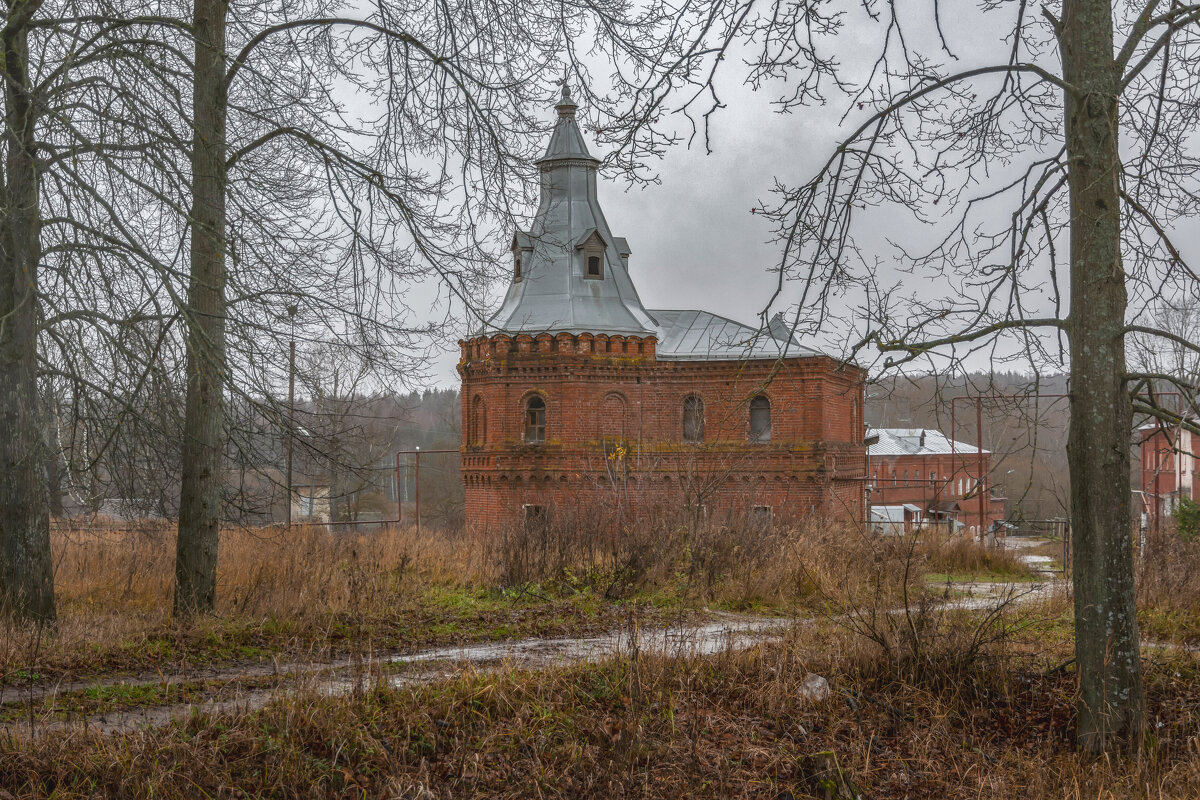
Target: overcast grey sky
point(695, 243)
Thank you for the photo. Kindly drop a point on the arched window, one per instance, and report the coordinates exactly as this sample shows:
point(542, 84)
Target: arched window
point(516, 265)
point(894, 481)
point(612, 417)
point(593, 267)
point(693, 419)
point(535, 420)
point(760, 419)
point(478, 421)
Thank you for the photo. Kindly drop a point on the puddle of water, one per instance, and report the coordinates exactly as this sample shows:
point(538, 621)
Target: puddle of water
point(694, 640)
point(1021, 542)
point(344, 676)
point(981, 595)
point(726, 633)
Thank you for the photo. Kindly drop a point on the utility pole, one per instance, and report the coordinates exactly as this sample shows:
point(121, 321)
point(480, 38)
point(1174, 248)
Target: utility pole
point(291, 419)
point(417, 488)
point(983, 489)
point(399, 496)
point(869, 442)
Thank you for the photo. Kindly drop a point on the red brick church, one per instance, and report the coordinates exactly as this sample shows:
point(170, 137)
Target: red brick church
point(574, 393)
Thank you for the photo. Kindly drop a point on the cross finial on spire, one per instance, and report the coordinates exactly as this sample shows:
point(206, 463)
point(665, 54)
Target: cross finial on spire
point(566, 106)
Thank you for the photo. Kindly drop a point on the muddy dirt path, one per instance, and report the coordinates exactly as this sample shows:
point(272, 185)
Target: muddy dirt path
point(240, 688)
point(248, 687)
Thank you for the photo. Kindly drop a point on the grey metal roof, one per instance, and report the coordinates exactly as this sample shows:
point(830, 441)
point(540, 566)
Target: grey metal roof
point(915, 442)
point(553, 295)
point(691, 335)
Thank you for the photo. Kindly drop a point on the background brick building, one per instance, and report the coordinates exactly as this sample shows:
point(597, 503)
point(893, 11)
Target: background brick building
point(1168, 469)
point(574, 393)
point(940, 480)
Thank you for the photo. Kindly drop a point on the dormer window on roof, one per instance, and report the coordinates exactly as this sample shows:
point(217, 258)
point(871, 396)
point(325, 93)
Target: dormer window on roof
point(592, 245)
point(522, 246)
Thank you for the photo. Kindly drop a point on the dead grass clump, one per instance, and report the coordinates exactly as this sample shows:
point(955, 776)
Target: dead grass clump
point(300, 590)
point(961, 554)
point(734, 562)
point(1168, 571)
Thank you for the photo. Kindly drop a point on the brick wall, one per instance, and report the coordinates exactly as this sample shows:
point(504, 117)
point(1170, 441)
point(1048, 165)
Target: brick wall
point(932, 481)
point(614, 430)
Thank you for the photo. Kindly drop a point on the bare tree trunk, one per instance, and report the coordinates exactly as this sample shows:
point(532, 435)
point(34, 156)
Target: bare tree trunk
point(1111, 701)
point(26, 572)
point(200, 495)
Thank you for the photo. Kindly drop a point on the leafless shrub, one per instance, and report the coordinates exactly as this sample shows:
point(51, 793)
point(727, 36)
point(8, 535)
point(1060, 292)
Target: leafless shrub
point(734, 561)
point(918, 636)
point(1168, 571)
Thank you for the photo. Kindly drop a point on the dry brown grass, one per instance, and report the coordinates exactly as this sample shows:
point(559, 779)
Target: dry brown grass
point(280, 594)
point(304, 591)
point(1168, 586)
point(732, 563)
point(735, 725)
point(1168, 571)
point(924, 703)
point(261, 570)
point(961, 554)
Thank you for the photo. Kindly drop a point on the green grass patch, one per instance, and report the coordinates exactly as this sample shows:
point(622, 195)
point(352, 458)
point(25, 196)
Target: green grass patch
point(1170, 625)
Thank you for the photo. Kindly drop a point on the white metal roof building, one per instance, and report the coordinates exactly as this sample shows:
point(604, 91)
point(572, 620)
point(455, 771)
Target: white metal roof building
point(916, 442)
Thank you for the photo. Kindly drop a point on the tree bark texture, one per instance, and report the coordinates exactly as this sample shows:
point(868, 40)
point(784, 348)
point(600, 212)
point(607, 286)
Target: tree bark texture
point(203, 434)
point(1111, 701)
point(27, 572)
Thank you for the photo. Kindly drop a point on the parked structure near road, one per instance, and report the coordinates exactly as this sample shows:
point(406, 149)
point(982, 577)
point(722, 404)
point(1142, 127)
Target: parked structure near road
point(918, 476)
point(575, 392)
point(1168, 466)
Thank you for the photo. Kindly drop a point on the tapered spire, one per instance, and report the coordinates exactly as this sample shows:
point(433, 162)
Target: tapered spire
point(566, 142)
point(572, 273)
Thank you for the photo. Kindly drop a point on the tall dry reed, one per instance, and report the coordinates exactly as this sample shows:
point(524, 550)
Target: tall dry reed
point(274, 570)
